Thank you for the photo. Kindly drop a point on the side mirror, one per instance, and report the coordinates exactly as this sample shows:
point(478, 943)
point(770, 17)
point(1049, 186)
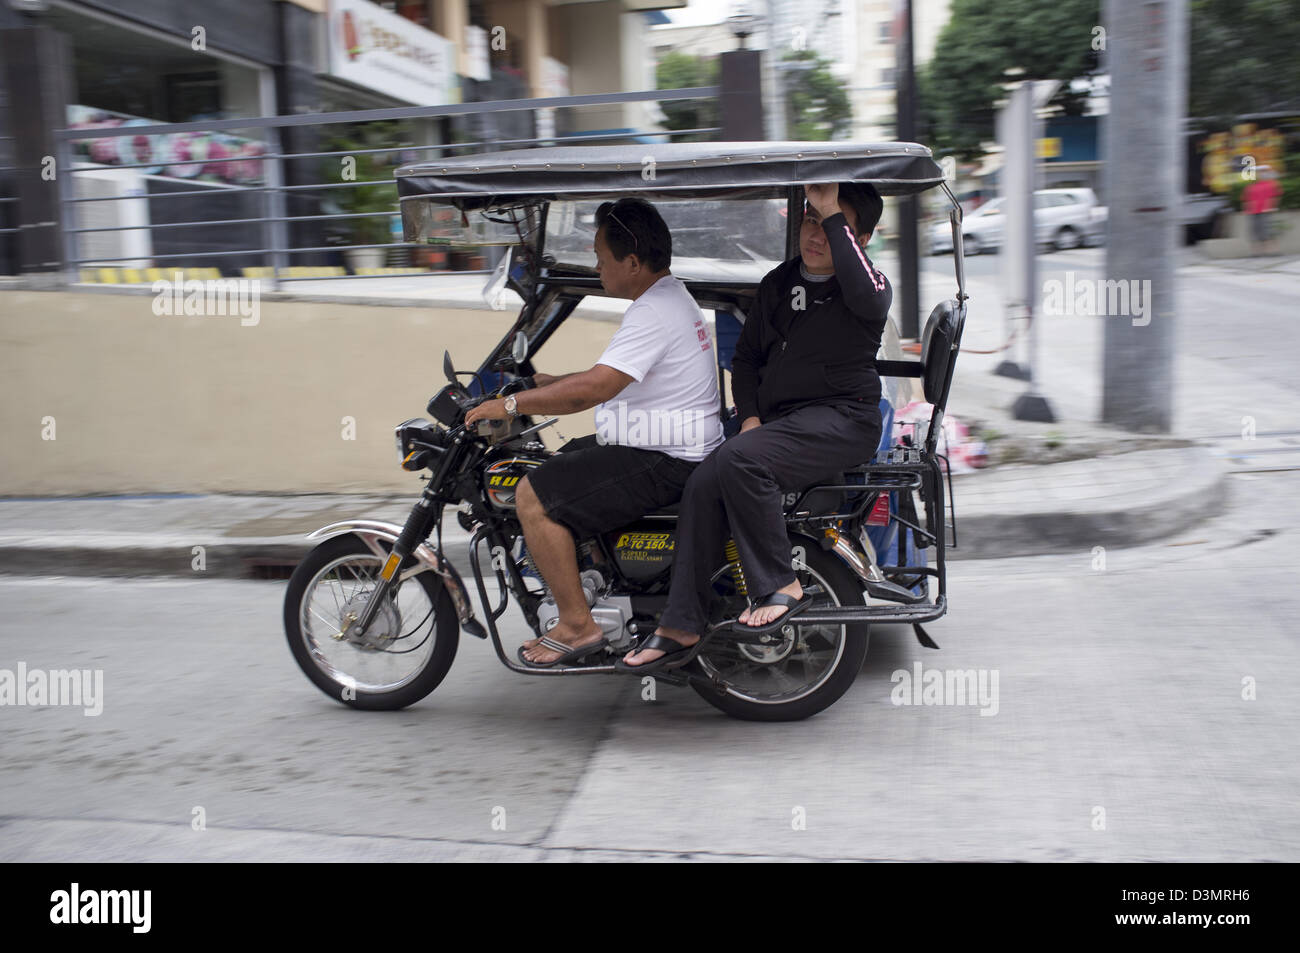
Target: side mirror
point(519, 349)
point(447, 367)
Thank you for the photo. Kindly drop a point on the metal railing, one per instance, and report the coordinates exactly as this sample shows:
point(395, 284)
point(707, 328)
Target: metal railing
point(8, 250)
point(283, 181)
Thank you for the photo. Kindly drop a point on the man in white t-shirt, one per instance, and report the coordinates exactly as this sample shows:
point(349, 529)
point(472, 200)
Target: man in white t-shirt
point(655, 390)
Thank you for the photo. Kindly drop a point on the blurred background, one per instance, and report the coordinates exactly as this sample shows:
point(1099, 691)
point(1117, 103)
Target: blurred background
point(145, 141)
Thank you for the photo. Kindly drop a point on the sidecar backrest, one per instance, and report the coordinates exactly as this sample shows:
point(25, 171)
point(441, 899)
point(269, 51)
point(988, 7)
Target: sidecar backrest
point(940, 343)
point(939, 346)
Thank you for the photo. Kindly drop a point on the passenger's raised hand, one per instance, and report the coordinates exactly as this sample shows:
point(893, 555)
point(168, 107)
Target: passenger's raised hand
point(824, 197)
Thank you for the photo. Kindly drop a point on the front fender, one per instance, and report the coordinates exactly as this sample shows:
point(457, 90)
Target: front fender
point(372, 532)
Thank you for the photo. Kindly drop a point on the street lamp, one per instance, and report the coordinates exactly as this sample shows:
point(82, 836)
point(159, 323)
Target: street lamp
point(743, 24)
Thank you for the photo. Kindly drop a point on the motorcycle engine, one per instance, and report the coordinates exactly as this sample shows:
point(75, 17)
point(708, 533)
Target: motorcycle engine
point(611, 614)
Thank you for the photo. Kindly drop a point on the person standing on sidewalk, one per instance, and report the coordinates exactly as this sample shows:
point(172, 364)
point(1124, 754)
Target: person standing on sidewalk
point(808, 396)
point(1259, 201)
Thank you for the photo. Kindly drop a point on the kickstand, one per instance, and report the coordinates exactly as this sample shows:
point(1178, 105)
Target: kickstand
point(923, 637)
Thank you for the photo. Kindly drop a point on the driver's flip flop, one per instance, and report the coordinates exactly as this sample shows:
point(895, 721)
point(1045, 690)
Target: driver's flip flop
point(793, 607)
point(569, 653)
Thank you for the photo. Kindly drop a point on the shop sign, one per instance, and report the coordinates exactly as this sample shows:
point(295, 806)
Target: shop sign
point(383, 51)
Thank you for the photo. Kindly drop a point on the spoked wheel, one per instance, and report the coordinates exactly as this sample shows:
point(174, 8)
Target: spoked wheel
point(404, 654)
point(802, 669)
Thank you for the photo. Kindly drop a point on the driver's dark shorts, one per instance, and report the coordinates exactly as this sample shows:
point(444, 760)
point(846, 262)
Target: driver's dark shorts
point(593, 488)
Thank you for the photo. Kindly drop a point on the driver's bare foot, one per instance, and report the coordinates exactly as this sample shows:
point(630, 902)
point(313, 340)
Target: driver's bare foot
point(562, 632)
point(645, 656)
point(762, 615)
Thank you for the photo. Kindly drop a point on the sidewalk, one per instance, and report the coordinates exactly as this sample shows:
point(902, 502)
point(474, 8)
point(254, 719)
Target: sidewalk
point(1013, 510)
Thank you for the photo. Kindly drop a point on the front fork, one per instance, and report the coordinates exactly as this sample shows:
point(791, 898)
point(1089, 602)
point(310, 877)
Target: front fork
point(418, 526)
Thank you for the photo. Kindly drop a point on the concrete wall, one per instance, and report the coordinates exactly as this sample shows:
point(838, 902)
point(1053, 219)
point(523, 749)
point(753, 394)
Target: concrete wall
point(147, 403)
point(1237, 242)
point(607, 52)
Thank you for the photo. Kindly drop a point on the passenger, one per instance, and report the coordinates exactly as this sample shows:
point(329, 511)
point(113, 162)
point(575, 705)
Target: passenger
point(808, 395)
point(660, 365)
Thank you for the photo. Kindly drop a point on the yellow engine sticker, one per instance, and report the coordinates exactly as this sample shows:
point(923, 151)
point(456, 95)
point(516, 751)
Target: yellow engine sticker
point(646, 542)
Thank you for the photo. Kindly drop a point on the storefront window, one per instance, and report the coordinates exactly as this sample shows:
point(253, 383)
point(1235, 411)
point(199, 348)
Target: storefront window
point(127, 73)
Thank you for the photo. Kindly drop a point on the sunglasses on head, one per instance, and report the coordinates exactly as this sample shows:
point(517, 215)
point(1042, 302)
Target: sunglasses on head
point(609, 213)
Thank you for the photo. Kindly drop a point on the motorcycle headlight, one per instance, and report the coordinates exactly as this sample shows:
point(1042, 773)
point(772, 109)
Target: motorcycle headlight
point(419, 443)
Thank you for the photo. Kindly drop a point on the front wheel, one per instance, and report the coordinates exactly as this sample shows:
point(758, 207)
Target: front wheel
point(805, 668)
point(402, 657)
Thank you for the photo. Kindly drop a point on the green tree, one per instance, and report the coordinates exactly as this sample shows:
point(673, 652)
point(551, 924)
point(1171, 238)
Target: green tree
point(682, 71)
point(817, 108)
point(1242, 57)
point(981, 40)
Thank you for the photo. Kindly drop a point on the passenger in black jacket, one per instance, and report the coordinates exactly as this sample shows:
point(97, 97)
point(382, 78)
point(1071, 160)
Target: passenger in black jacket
point(807, 393)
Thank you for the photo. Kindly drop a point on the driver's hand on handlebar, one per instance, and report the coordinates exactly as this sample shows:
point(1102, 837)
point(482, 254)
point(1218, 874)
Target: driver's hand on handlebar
point(488, 410)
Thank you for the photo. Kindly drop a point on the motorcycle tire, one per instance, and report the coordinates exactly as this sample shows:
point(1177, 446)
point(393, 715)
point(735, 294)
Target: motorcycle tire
point(446, 632)
point(844, 588)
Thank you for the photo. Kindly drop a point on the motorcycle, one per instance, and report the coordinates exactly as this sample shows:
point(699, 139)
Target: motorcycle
point(374, 613)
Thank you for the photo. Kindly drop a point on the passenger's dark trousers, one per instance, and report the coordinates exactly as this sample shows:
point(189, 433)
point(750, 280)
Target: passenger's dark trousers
point(736, 493)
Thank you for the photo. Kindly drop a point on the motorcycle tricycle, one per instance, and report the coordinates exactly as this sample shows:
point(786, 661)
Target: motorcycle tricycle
point(374, 614)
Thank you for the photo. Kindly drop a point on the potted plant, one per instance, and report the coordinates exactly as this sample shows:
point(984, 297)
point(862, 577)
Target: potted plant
point(373, 204)
point(468, 258)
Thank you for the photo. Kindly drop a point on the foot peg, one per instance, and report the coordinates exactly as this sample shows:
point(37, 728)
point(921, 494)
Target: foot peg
point(892, 592)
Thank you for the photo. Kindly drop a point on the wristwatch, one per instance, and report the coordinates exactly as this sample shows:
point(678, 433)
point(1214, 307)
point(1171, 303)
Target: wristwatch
point(512, 406)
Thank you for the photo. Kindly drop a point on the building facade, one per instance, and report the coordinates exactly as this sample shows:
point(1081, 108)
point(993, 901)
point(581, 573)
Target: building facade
point(82, 63)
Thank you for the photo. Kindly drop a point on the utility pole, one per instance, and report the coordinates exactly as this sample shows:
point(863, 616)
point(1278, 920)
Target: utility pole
point(1146, 51)
point(907, 315)
point(1018, 126)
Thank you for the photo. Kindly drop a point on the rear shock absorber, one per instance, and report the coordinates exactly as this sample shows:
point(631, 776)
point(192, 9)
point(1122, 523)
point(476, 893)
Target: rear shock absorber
point(737, 573)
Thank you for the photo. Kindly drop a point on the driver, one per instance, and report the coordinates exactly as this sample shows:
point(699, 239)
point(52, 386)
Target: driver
point(660, 365)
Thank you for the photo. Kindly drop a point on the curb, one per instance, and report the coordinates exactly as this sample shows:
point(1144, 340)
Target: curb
point(1175, 490)
point(266, 558)
point(1166, 507)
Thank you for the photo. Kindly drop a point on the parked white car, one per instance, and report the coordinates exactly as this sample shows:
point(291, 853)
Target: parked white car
point(1063, 218)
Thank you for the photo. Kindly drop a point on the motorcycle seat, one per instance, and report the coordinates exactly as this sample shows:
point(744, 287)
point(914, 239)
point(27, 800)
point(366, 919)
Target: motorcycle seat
point(826, 504)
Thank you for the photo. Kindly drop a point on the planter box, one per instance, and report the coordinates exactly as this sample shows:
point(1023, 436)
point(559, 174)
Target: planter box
point(358, 258)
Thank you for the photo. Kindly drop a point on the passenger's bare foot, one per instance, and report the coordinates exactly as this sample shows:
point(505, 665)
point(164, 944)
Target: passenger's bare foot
point(561, 632)
point(646, 656)
point(765, 614)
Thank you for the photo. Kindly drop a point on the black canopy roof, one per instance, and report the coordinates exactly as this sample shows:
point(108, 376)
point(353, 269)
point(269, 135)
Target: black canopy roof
point(669, 170)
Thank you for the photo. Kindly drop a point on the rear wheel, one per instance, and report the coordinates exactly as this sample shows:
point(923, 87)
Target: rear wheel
point(804, 668)
point(404, 654)
point(970, 245)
